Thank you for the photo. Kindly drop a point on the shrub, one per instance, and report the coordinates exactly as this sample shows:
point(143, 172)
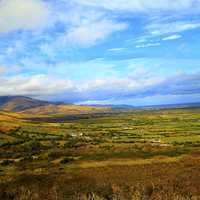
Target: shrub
point(27, 158)
point(32, 147)
point(74, 142)
point(6, 162)
point(66, 160)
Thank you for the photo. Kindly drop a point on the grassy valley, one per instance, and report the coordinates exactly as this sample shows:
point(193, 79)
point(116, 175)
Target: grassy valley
point(135, 154)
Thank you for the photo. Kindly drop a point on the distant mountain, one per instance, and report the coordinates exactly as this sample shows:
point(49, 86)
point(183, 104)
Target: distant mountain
point(27, 105)
point(130, 107)
point(126, 107)
point(120, 106)
point(19, 103)
point(181, 105)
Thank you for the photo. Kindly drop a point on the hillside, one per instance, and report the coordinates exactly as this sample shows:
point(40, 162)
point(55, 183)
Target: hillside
point(64, 109)
point(9, 121)
point(27, 105)
point(19, 103)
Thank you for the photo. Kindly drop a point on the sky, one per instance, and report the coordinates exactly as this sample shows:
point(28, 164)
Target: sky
point(136, 52)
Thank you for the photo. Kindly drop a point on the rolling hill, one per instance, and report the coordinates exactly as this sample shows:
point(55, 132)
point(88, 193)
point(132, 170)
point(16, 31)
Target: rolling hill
point(27, 105)
point(19, 103)
point(63, 109)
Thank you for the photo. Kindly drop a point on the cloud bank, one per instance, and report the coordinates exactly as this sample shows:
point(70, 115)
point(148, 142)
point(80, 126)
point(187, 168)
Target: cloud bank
point(117, 89)
point(22, 15)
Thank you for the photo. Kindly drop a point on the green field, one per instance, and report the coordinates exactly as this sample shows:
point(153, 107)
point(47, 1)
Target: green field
point(116, 155)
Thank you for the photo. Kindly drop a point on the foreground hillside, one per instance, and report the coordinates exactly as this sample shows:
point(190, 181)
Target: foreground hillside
point(134, 155)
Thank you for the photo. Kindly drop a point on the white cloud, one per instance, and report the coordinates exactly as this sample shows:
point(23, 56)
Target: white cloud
point(90, 33)
point(47, 85)
point(172, 37)
point(22, 15)
point(141, 5)
point(163, 28)
point(115, 88)
point(116, 49)
point(148, 45)
point(123, 88)
point(85, 34)
point(141, 39)
point(34, 86)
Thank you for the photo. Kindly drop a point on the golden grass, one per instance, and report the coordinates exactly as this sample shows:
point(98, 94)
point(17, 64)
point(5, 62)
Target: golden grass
point(122, 162)
point(64, 109)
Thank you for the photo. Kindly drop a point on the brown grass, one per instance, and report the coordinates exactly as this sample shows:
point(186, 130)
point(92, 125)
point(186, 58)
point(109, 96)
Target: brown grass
point(155, 181)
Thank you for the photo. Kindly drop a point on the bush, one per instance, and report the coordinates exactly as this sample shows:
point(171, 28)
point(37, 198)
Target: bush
point(57, 153)
point(27, 158)
point(32, 147)
point(66, 160)
point(6, 162)
point(74, 142)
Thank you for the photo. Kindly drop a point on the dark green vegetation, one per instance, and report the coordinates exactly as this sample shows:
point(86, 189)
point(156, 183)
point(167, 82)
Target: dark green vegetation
point(152, 154)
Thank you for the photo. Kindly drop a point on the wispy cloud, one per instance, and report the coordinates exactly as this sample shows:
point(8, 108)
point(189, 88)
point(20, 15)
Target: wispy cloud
point(148, 45)
point(163, 28)
point(116, 49)
point(141, 5)
point(90, 33)
point(172, 37)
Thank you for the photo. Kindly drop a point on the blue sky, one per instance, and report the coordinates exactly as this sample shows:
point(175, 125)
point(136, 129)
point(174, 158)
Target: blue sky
point(138, 52)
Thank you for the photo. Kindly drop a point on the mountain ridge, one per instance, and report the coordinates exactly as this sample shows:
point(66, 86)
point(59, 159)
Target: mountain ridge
point(19, 103)
point(27, 105)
